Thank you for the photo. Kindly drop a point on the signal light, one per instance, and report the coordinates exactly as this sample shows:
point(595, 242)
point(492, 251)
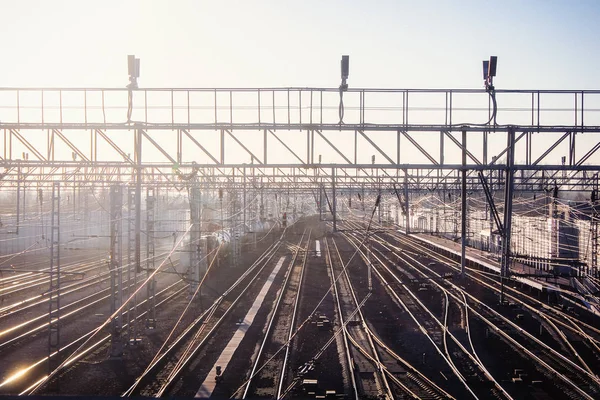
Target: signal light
point(489, 72)
point(345, 69)
point(133, 69)
point(492, 66)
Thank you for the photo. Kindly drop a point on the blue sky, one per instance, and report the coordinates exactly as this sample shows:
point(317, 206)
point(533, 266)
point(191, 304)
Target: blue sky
point(539, 44)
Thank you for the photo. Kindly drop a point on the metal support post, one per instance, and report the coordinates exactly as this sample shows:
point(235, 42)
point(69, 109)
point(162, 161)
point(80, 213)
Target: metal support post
point(131, 261)
point(86, 214)
point(508, 202)
point(138, 202)
point(74, 192)
point(116, 276)
point(235, 231)
point(18, 199)
point(150, 266)
point(379, 209)
point(244, 201)
point(194, 247)
point(594, 236)
point(369, 266)
point(333, 207)
point(54, 290)
point(261, 210)
point(406, 203)
point(463, 226)
point(320, 202)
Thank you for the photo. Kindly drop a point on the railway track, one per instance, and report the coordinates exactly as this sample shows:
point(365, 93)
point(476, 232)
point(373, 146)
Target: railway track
point(365, 362)
point(168, 366)
point(268, 369)
point(575, 380)
point(29, 375)
point(76, 297)
point(553, 318)
point(473, 376)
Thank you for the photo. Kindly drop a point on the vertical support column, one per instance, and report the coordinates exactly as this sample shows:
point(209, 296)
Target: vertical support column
point(116, 276)
point(320, 202)
point(244, 197)
point(261, 210)
point(18, 198)
point(334, 202)
point(463, 198)
point(308, 160)
point(406, 202)
point(179, 146)
point(194, 244)
point(138, 201)
point(131, 259)
point(508, 201)
point(398, 147)
point(264, 147)
point(235, 231)
point(355, 147)
point(86, 214)
point(74, 192)
point(594, 236)
point(485, 146)
point(54, 290)
point(222, 146)
point(312, 146)
point(442, 161)
point(150, 266)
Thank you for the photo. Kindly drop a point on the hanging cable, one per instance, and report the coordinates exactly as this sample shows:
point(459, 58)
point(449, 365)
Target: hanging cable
point(341, 107)
point(345, 68)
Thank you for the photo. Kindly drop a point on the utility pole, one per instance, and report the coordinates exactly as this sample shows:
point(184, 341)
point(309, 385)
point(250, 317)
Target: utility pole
point(194, 247)
point(244, 201)
point(508, 197)
point(594, 235)
point(54, 290)
point(235, 231)
point(150, 266)
point(131, 262)
point(463, 241)
point(333, 206)
point(116, 276)
point(406, 203)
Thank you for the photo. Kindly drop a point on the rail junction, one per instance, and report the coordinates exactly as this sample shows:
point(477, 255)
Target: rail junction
point(300, 243)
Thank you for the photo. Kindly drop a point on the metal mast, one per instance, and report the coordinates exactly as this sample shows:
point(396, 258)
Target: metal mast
point(116, 276)
point(54, 290)
point(151, 288)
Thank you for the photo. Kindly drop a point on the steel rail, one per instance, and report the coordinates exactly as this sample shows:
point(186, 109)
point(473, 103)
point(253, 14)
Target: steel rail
point(443, 354)
point(492, 286)
point(378, 363)
point(557, 356)
point(27, 369)
point(192, 347)
point(292, 327)
point(160, 359)
point(335, 294)
point(255, 366)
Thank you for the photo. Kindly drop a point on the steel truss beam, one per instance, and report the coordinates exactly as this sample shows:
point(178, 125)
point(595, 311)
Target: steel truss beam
point(211, 120)
point(54, 289)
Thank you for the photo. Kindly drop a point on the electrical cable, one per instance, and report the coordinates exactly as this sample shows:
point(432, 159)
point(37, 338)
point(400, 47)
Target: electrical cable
point(129, 105)
point(68, 359)
point(316, 308)
point(341, 106)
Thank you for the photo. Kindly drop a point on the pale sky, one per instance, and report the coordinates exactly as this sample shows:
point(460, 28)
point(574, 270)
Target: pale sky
point(392, 44)
point(539, 44)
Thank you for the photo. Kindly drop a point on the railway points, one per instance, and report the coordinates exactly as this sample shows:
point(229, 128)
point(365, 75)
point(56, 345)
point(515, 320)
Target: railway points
point(205, 248)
